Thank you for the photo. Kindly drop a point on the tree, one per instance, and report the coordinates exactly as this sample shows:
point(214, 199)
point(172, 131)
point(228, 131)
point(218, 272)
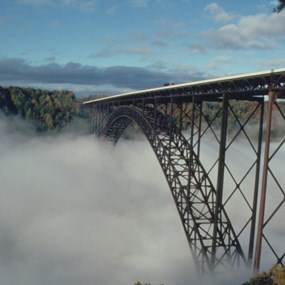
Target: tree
point(278, 272)
point(47, 110)
point(280, 6)
point(275, 276)
point(264, 278)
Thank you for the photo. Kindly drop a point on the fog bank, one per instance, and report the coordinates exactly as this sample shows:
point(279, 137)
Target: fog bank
point(75, 211)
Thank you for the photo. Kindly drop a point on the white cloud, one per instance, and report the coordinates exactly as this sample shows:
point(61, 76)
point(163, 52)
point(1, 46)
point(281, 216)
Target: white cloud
point(218, 61)
point(197, 49)
point(256, 32)
point(218, 13)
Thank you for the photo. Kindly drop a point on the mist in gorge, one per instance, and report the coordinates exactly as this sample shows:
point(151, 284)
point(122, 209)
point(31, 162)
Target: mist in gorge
point(74, 211)
point(77, 211)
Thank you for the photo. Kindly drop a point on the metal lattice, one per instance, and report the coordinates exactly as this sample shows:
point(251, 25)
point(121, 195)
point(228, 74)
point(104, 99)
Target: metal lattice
point(179, 121)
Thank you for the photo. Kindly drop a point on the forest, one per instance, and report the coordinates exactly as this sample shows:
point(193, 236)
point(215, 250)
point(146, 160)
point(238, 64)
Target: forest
point(52, 111)
point(275, 276)
point(45, 110)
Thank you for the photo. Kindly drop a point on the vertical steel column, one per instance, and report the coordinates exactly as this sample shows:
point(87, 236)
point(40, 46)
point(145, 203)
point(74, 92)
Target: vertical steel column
point(94, 120)
point(106, 114)
point(155, 115)
point(170, 123)
point(98, 120)
point(96, 114)
point(180, 125)
point(271, 99)
point(192, 133)
point(101, 119)
point(190, 162)
point(200, 106)
point(256, 185)
point(90, 119)
point(220, 178)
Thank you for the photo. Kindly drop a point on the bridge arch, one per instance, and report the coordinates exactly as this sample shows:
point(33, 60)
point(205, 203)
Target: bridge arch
point(208, 230)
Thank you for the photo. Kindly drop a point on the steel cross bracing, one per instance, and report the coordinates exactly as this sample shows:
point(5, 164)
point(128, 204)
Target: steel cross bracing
point(179, 122)
point(191, 188)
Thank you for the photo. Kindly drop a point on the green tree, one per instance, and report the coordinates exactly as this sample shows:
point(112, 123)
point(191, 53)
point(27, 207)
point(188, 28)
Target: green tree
point(275, 276)
point(47, 110)
point(278, 273)
point(261, 279)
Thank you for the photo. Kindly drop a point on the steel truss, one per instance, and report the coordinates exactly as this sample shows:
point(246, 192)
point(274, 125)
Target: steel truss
point(179, 122)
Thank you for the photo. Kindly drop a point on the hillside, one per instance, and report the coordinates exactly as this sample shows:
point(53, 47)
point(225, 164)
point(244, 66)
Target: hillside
point(54, 110)
point(46, 110)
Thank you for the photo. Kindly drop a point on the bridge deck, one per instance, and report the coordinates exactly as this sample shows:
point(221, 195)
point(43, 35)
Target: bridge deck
point(246, 85)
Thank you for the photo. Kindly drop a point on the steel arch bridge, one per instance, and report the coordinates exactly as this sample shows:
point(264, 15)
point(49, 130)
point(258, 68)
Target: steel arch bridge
point(180, 122)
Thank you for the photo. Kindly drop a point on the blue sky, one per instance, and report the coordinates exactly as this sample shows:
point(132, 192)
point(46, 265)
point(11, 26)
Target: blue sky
point(114, 46)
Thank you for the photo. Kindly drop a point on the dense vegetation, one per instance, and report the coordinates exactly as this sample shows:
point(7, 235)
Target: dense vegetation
point(47, 110)
point(275, 276)
point(54, 110)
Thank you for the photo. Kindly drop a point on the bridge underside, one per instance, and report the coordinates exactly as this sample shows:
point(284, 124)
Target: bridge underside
point(222, 208)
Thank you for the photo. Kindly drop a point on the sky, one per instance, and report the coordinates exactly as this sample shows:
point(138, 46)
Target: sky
point(116, 46)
